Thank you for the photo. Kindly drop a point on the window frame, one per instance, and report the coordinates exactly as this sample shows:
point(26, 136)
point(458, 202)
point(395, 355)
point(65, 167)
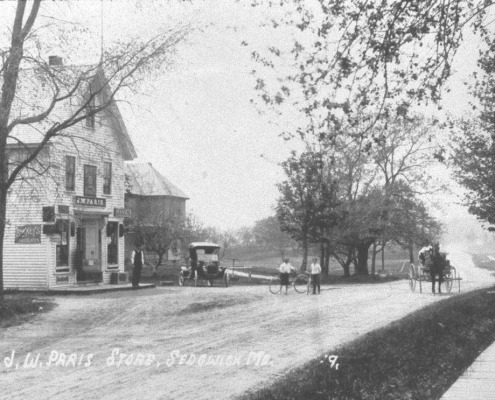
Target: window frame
point(113, 244)
point(90, 107)
point(107, 178)
point(70, 176)
point(62, 258)
point(86, 190)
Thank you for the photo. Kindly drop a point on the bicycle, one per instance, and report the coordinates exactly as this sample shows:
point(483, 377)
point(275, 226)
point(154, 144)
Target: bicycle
point(300, 283)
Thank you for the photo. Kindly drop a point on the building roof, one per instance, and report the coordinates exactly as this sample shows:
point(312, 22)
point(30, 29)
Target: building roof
point(203, 244)
point(34, 95)
point(145, 180)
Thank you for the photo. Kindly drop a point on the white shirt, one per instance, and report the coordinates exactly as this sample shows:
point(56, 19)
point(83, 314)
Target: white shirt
point(315, 269)
point(133, 254)
point(285, 268)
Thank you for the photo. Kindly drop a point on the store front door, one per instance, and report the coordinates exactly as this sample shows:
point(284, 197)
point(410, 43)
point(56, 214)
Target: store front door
point(89, 251)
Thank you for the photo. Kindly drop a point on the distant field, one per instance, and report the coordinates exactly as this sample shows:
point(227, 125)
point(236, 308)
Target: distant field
point(267, 263)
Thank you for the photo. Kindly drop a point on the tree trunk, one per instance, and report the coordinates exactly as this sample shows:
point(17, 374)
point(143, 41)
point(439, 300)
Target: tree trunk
point(411, 252)
point(4, 166)
point(373, 259)
point(347, 264)
point(322, 258)
point(383, 257)
point(3, 214)
point(305, 244)
point(327, 260)
point(362, 252)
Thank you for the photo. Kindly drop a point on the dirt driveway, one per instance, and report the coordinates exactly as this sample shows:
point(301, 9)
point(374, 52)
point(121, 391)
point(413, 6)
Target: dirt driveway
point(193, 343)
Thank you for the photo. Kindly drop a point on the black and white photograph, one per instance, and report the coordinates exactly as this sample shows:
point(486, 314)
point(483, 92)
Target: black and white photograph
point(247, 199)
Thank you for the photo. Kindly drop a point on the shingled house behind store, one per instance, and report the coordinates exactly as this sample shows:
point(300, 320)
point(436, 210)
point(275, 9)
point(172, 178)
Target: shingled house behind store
point(65, 216)
point(150, 192)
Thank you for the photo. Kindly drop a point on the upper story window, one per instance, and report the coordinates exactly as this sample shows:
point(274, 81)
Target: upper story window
point(107, 178)
point(90, 107)
point(70, 173)
point(90, 180)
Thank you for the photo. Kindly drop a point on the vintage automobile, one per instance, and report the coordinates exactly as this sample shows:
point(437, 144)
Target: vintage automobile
point(203, 264)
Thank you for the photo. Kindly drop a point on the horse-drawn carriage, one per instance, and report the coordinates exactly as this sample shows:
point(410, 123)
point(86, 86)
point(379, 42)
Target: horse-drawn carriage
point(203, 264)
point(421, 273)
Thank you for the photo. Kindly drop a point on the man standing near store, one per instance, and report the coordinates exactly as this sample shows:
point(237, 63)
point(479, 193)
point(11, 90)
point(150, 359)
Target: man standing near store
point(315, 271)
point(137, 259)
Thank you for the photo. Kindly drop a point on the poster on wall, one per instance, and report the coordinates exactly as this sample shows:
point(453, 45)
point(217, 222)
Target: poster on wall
point(28, 234)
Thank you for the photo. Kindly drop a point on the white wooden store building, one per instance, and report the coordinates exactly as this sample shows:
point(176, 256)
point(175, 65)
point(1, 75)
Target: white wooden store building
point(66, 225)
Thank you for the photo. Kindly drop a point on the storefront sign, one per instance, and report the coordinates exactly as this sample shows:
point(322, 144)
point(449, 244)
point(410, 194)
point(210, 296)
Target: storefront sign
point(28, 234)
point(122, 212)
point(90, 201)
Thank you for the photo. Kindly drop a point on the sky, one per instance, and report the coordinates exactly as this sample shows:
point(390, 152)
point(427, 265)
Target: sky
point(195, 121)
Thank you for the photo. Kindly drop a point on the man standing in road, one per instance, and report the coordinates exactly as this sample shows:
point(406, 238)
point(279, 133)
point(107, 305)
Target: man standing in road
point(137, 259)
point(315, 271)
point(285, 269)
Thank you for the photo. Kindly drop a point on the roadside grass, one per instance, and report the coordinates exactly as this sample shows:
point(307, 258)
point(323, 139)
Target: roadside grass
point(418, 357)
point(20, 307)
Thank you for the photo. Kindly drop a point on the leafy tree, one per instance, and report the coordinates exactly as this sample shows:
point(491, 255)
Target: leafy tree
point(404, 153)
point(408, 221)
point(473, 142)
point(122, 66)
point(159, 234)
point(348, 58)
point(305, 196)
point(374, 187)
point(473, 160)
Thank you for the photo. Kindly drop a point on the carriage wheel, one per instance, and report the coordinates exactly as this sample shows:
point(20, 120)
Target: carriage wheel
point(181, 278)
point(412, 278)
point(456, 278)
point(226, 278)
point(275, 285)
point(301, 283)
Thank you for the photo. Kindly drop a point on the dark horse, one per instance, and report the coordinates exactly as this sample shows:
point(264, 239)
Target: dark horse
point(437, 265)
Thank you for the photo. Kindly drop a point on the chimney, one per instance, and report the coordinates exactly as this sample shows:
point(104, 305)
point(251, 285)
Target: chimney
point(55, 61)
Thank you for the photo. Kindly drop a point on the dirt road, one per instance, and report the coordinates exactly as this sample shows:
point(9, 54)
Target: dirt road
point(232, 338)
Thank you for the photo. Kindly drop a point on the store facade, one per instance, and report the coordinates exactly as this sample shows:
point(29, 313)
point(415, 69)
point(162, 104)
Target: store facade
point(65, 226)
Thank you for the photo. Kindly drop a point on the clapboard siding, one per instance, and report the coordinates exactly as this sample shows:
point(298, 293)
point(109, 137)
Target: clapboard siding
point(30, 266)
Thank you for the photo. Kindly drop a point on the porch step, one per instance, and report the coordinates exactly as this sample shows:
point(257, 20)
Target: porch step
point(166, 283)
point(86, 283)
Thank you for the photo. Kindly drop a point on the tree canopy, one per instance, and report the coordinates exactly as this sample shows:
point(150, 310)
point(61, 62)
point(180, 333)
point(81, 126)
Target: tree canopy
point(348, 58)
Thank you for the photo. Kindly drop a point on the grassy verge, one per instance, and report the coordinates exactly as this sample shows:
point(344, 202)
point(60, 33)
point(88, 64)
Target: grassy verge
point(18, 308)
point(418, 357)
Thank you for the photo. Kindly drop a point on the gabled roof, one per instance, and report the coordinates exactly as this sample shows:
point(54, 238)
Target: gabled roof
point(145, 180)
point(34, 94)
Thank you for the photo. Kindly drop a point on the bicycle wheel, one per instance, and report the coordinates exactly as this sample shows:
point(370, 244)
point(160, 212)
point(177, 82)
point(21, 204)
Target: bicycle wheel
point(300, 283)
point(275, 285)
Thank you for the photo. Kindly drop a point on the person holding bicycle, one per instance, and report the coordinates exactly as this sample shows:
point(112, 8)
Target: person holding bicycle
point(285, 269)
point(315, 271)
